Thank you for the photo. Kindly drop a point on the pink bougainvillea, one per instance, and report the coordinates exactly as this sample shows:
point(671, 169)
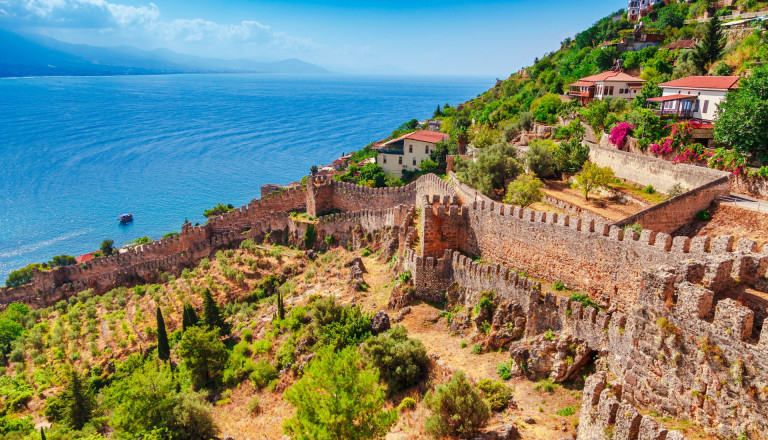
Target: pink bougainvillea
point(680, 135)
point(695, 154)
point(663, 147)
point(619, 134)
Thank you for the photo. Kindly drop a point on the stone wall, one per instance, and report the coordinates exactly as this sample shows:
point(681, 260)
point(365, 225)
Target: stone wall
point(756, 187)
point(671, 214)
point(574, 210)
point(443, 225)
point(646, 170)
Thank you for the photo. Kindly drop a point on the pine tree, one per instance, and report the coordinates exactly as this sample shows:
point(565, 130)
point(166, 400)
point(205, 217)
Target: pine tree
point(163, 349)
point(188, 317)
point(711, 47)
point(81, 402)
point(437, 112)
point(212, 314)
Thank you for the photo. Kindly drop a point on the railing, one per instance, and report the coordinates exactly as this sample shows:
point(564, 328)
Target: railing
point(688, 114)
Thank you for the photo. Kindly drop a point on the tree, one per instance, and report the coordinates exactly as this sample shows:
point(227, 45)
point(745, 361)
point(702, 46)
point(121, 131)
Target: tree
point(163, 349)
point(650, 90)
point(313, 170)
point(437, 112)
point(540, 157)
point(457, 408)
point(280, 305)
point(742, 117)
point(218, 210)
point(545, 109)
point(373, 172)
point(310, 235)
point(491, 169)
point(62, 260)
point(440, 151)
point(22, 276)
point(711, 46)
point(212, 315)
point(524, 191)
point(107, 247)
point(204, 355)
point(338, 398)
point(146, 398)
point(42, 433)
point(428, 166)
point(80, 402)
point(570, 156)
point(188, 317)
point(593, 177)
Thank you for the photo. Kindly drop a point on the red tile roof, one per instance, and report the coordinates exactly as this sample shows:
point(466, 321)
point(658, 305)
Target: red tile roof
point(85, 257)
point(427, 136)
point(704, 82)
point(672, 98)
point(680, 44)
point(612, 76)
point(582, 83)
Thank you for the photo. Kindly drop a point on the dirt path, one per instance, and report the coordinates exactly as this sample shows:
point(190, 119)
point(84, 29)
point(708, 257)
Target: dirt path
point(605, 207)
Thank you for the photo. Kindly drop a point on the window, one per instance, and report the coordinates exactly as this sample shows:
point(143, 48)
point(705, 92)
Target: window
point(400, 160)
point(706, 106)
point(426, 149)
point(414, 161)
point(384, 157)
point(410, 148)
point(610, 90)
point(621, 91)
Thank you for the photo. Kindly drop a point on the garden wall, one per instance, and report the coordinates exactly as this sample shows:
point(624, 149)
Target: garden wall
point(671, 214)
point(756, 187)
point(646, 170)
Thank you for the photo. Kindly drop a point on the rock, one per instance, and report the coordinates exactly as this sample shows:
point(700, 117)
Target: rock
point(508, 432)
point(357, 261)
point(400, 316)
point(530, 420)
point(311, 254)
point(380, 322)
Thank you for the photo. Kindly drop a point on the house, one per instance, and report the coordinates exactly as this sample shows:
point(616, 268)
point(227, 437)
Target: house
point(694, 97)
point(681, 45)
point(85, 257)
point(408, 151)
point(638, 41)
point(637, 9)
point(606, 84)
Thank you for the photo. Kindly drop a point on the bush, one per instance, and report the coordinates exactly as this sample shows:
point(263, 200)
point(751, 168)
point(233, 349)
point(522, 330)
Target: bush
point(559, 286)
point(649, 189)
point(492, 167)
point(545, 109)
point(703, 215)
point(218, 210)
point(593, 177)
point(336, 325)
point(457, 409)
point(584, 299)
point(496, 394)
point(567, 411)
point(676, 190)
point(504, 371)
point(402, 361)
point(263, 374)
point(406, 404)
point(310, 235)
point(254, 406)
point(203, 354)
point(477, 349)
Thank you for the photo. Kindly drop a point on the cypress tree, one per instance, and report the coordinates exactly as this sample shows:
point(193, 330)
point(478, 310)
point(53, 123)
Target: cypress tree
point(80, 405)
point(42, 433)
point(711, 47)
point(280, 306)
point(188, 317)
point(212, 314)
point(163, 349)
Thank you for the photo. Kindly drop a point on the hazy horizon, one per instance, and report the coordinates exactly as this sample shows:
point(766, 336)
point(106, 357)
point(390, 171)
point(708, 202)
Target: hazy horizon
point(449, 38)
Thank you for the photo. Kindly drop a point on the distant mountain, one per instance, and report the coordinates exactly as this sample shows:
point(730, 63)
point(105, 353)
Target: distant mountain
point(36, 55)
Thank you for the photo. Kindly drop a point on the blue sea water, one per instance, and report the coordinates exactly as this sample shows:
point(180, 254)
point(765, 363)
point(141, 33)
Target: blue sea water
point(75, 152)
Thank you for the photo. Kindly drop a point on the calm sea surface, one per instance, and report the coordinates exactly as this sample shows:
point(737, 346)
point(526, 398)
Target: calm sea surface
point(77, 152)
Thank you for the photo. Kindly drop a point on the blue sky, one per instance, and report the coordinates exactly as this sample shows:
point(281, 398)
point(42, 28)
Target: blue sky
point(448, 37)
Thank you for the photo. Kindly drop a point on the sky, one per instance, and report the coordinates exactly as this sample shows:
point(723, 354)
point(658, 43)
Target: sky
point(448, 37)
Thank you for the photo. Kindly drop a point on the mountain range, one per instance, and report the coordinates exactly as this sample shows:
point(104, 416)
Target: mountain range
point(36, 55)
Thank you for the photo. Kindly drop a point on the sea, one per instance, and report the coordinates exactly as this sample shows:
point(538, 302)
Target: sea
point(76, 152)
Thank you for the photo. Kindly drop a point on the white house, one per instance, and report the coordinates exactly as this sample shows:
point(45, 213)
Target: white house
point(694, 97)
point(639, 8)
point(606, 84)
point(408, 151)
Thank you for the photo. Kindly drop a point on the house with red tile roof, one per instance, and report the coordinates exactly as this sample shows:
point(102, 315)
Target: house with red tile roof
point(85, 257)
point(694, 97)
point(408, 151)
point(680, 45)
point(607, 84)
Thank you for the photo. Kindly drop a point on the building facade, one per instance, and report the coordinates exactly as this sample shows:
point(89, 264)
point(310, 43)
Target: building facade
point(694, 97)
point(606, 84)
point(408, 151)
point(637, 9)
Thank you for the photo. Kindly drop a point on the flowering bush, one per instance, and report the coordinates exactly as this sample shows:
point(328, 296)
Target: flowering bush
point(679, 135)
point(693, 154)
point(728, 160)
point(619, 134)
point(663, 146)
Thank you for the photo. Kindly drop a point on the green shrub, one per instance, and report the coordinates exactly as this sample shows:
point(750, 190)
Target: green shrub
point(703, 215)
point(496, 394)
point(262, 346)
point(407, 404)
point(336, 325)
point(584, 299)
point(254, 406)
point(310, 235)
point(286, 354)
point(263, 374)
point(504, 371)
point(565, 412)
point(366, 252)
point(559, 286)
point(457, 409)
point(545, 385)
point(402, 361)
point(477, 349)
point(328, 240)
